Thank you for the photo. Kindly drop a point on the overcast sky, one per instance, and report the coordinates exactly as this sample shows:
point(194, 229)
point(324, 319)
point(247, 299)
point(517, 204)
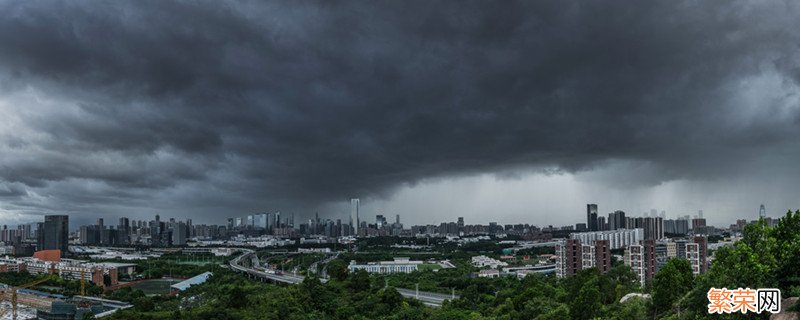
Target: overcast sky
point(515, 112)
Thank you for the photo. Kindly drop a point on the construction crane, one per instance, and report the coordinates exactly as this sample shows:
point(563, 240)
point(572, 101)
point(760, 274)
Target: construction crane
point(14, 295)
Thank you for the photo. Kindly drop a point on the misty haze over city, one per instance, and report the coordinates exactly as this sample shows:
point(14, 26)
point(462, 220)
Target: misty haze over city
point(520, 113)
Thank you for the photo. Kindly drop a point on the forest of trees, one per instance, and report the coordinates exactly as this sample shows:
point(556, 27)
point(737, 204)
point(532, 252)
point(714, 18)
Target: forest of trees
point(765, 258)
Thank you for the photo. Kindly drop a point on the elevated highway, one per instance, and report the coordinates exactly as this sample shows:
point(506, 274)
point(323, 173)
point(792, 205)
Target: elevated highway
point(428, 298)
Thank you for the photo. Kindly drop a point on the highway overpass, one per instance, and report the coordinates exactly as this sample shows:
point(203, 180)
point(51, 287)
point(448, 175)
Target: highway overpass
point(428, 298)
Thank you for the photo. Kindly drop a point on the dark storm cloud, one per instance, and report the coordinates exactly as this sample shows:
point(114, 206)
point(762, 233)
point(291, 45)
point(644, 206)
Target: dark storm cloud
point(300, 103)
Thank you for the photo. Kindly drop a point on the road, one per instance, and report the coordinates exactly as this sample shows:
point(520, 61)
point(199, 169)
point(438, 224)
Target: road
point(428, 298)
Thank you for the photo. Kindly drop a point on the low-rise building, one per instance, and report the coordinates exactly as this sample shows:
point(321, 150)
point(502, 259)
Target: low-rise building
point(489, 273)
point(398, 265)
point(484, 261)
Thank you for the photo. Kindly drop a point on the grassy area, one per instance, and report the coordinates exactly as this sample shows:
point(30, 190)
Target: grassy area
point(156, 286)
point(429, 266)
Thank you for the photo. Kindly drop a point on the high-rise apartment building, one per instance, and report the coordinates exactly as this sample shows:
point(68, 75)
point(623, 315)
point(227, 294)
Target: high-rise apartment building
point(616, 220)
point(634, 258)
point(568, 258)
point(617, 239)
point(573, 256)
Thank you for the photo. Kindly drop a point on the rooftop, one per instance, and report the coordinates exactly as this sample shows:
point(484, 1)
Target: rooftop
point(198, 279)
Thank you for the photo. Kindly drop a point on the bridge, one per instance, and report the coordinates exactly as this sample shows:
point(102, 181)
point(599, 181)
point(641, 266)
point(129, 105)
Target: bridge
point(431, 299)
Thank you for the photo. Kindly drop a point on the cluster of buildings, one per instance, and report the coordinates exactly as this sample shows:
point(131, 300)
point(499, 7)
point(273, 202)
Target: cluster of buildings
point(648, 257)
point(645, 257)
point(155, 232)
point(50, 262)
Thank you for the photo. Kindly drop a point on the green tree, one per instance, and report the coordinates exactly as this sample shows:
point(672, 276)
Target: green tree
point(560, 313)
point(359, 281)
point(670, 283)
point(586, 304)
point(337, 269)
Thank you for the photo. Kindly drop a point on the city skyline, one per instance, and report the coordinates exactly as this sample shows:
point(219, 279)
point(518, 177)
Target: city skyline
point(523, 112)
point(354, 206)
point(603, 221)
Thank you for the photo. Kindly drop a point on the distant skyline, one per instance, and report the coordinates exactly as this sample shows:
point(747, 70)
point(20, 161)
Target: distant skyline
point(521, 112)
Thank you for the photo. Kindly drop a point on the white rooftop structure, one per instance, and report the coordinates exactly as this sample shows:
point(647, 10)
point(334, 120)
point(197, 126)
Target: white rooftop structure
point(198, 279)
point(398, 265)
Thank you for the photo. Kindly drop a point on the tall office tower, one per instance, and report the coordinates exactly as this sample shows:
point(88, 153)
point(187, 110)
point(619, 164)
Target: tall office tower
point(380, 221)
point(619, 219)
point(261, 221)
point(354, 204)
point(591, 217)
point(762, 212)
point(397, 219)
point(612, 222)
point(56, 233)
point(601, 223)
point(179, 234)
point(158, 218)
point(124, 223)
point(123, 230)
point(270, 222)
point(230, 223)
point(460, 222)
point(277, 220)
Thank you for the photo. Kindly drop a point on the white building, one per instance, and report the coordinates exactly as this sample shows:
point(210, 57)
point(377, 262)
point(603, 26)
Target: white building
point(489, 273)
point(398, 265)
point(634, 258)
point(617, 239)
point(693, 255)
point(484, 261)
point(588, 256)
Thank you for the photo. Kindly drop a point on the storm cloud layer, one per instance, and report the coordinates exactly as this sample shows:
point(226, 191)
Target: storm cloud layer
point(222, 108)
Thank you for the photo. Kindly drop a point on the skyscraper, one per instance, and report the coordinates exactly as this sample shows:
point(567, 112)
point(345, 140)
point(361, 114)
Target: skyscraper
point(179, 234)
point(591, 217)
point(380, 221)
point(762, 212)
point(56, 233)
point(354, 204)
point(616, 220)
